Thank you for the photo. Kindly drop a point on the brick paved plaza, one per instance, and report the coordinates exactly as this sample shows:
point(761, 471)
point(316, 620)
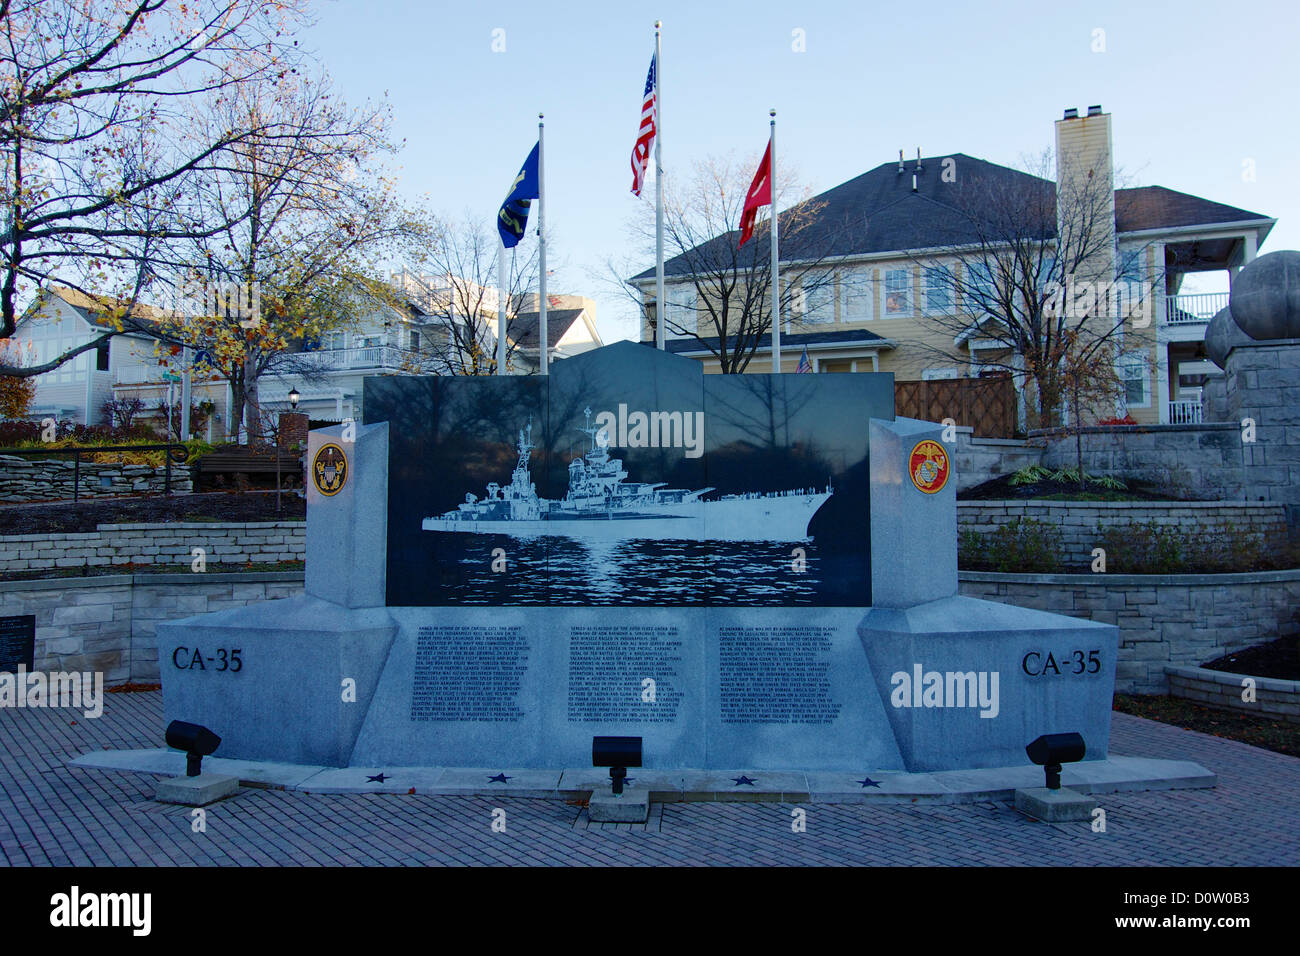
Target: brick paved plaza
point(54, 815)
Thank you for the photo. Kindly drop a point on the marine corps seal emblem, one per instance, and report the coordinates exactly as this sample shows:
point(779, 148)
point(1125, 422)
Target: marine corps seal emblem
point(928, 466)
point(329, 470)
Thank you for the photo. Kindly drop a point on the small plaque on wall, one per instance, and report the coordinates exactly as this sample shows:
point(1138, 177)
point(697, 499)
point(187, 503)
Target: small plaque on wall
point(17, 641)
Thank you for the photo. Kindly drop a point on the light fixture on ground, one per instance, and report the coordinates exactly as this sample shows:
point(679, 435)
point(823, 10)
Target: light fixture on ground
point(197, 742)
point(1054, 803)
point(1051, 750)
point(616, 753)
point(195, 789)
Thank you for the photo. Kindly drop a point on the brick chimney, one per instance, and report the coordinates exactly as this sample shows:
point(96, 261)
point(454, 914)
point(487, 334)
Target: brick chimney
point(1085, 186)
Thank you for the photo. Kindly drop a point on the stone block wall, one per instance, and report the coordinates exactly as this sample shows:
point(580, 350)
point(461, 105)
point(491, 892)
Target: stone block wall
point(978, 460)
point(1201, 461)
point(1078, 520)
point(52, 479)
point(1275, 699)
point(231, 543)
point(108, 624)
point(1164, 620)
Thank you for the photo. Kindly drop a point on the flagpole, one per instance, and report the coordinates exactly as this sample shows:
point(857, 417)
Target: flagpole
point(659, 190)
point(501, 307)
point(543, 340)
point(776, 274)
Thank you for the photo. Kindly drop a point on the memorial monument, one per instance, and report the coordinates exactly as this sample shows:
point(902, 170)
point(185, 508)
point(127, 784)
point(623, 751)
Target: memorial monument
point(754, 572)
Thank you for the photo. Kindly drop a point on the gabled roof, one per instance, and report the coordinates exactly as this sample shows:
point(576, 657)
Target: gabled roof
point(523, 327)
point(878, 212)
point(1155, 207)
point(91, 309)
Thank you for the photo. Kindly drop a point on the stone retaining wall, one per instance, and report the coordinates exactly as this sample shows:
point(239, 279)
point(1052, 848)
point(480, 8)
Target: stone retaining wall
point(1276, 699)
point(1078, 520)
point(111, 544)
point(977, 460)
point(51, 479)
point(1205, 461)
point(1164, 619)
point(108, 623)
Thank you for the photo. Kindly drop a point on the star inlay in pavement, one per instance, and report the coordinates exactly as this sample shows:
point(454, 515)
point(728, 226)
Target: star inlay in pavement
point(499, 778)
point(743, 781)
point(377, 778)
point(868, 782)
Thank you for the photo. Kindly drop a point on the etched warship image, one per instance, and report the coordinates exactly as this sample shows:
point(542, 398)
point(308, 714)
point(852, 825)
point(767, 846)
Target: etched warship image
point(601, 504)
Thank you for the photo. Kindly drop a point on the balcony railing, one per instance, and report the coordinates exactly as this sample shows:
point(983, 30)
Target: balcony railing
point(370, 356)
point(1185, 413)
point(1190, 309)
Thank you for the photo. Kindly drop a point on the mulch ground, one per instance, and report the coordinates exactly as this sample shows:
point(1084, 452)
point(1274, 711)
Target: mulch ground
point(1001, 488)
point(65, 516)
point(1275, 735)
point(1279, 659)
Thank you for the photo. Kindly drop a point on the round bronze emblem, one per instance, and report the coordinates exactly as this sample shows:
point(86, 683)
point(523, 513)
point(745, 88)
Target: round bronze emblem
point(329, 470)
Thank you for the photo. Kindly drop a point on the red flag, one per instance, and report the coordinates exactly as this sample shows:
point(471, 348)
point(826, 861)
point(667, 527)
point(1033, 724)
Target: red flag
point(759, 195)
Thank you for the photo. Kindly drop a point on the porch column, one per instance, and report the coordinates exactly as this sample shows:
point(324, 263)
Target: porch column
point(1162, 382)
point(1249, 246)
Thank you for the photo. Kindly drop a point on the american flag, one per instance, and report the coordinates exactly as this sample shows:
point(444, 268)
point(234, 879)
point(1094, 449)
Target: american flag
point(804, 365)
point(645, 136)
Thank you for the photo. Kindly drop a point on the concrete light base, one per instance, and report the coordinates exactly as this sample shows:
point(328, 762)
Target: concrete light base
point(196, 791)
point(1055, 806)
point(630, 806)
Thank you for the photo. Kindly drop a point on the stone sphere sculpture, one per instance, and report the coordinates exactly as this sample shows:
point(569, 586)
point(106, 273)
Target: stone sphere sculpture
point(1221, 336)
point(1265, 299)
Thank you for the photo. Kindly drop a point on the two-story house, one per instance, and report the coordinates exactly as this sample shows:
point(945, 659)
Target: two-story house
point(327, 375)
point(895, 236)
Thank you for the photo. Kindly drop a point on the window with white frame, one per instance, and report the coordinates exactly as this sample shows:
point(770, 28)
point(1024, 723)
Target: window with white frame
point(898, 292)
point(1136, 375)
point(937, 289)
point(681, 308)
point(856, 295)
point(979, 294)
point(818, 299)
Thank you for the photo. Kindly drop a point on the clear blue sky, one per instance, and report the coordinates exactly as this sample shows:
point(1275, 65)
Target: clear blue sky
point(1195, 89)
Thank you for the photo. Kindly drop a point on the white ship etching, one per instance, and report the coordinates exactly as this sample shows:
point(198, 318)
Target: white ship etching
point(602, 505)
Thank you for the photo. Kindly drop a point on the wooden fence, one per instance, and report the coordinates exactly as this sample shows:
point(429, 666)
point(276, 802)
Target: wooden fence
point(987, 404)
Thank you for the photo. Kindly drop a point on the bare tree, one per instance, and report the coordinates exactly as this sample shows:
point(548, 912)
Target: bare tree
point(455, 283)
point(1028, 268)
point(304, 218)
point(99, 159)
point(732, 283)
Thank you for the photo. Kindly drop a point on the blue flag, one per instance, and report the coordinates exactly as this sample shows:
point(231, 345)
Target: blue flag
point(512, 220)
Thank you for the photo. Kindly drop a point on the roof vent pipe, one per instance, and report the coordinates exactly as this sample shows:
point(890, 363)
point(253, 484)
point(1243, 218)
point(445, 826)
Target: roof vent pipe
point(900, 160)
point(913, 182)
point(1094, 110)
point(1072, 114)
point(918, 159)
